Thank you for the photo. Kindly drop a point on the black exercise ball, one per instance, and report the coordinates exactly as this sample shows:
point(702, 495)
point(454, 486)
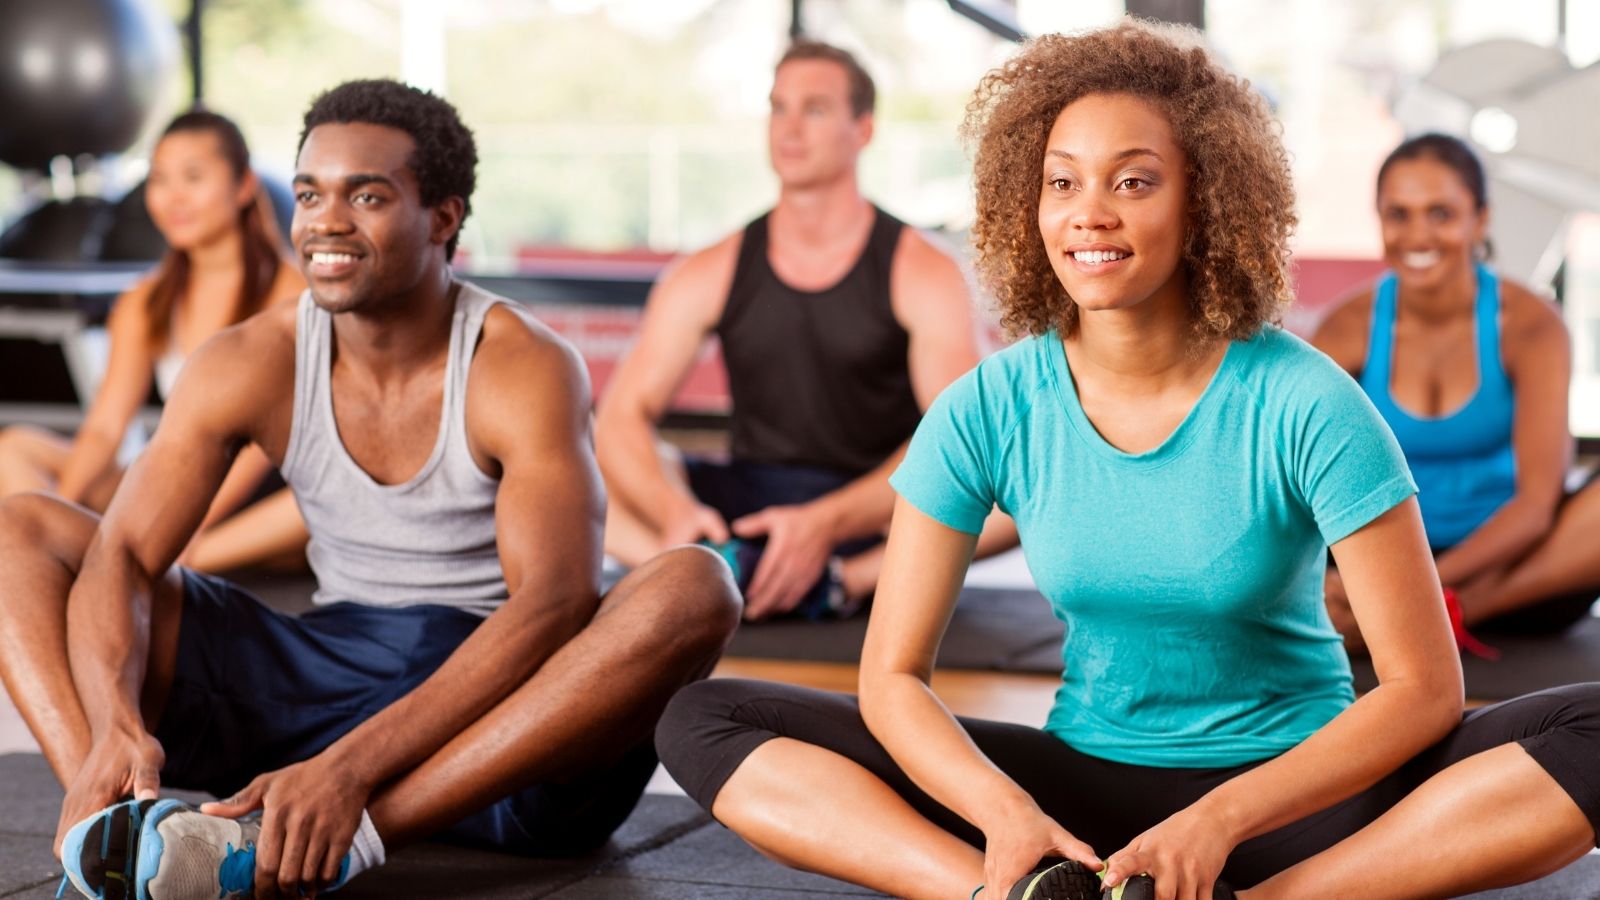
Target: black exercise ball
point(132, 237)
point(58, 231)
point(79, 76)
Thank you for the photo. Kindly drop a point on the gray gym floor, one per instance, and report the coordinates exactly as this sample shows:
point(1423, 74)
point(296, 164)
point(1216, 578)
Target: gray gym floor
point(669, 849)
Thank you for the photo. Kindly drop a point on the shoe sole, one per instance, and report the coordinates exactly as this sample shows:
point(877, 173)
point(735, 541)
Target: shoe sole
point(108, 843)
point(1139, 887)
point(1068, 880)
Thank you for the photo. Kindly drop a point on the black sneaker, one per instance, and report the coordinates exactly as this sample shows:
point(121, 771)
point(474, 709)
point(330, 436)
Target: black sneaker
point(1055, 878)
point(1143, 887)
point(1139, 887)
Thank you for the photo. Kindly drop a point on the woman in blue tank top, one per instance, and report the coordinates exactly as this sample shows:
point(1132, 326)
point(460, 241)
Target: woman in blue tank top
point(1178, 468)
point(1471, 373)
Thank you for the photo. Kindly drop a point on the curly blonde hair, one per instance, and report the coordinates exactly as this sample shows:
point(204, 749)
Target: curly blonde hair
point(1240, 196)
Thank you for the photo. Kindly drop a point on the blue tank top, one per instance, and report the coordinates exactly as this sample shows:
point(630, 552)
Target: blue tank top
point(1462, 462)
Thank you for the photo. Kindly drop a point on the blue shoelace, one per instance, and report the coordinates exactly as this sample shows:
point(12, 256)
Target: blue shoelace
point(237, 875)
point(238, 872)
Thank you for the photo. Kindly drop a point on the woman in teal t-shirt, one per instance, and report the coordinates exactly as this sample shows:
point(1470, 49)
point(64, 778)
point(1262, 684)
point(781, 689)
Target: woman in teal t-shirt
point(1177, 467)
point(1471, 372)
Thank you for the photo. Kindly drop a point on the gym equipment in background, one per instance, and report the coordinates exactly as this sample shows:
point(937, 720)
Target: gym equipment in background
point(131, 236)
point(1530, 114)
point(83, 76)
point(59, 231)
point(80, 80)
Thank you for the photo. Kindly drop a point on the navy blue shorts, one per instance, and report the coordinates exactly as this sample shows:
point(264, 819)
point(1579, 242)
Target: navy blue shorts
point(256, 690)
point(737, 489)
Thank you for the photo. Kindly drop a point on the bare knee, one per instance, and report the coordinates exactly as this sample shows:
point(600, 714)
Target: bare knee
point(14, 438)
point(14, 442)
point(37, 522)
point(692, 588)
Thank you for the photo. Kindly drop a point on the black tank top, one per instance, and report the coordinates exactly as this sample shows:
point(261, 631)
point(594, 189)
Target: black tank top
point(818, 378)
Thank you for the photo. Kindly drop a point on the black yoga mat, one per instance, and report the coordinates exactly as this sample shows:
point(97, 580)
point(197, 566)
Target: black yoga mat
point(997, 629)
point(1526, 664)
point(1012, 630)
point(668, 849)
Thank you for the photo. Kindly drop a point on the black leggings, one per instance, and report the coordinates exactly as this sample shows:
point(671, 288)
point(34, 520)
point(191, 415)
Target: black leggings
point(710, 727)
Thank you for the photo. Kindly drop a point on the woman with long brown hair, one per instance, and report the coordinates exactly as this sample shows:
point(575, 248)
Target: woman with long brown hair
point(225, 262)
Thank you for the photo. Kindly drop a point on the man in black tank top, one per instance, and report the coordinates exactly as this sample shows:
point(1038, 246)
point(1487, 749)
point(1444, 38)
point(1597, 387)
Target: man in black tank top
point(472, 680)
point(838, 326)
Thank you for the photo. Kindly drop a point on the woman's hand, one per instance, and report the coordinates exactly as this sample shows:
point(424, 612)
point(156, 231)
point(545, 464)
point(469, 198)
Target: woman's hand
point(1015, 842)
point(1184, 854)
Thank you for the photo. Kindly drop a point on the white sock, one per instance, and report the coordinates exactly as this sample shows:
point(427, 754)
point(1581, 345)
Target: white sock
point(366, 848)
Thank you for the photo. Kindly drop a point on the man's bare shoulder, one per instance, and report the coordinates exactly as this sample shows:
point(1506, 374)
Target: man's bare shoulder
point(926, 276)
point(261, 346)
point(527, 391)
point(924, 249)
point(705, 272)
point(519, 356)
point(241, 380)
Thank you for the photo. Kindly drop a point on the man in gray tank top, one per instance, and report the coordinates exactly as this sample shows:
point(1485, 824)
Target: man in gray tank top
point(838, 327)
point(460, 672)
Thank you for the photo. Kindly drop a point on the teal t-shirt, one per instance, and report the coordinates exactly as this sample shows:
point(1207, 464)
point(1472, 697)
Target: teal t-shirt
point(1190, 577)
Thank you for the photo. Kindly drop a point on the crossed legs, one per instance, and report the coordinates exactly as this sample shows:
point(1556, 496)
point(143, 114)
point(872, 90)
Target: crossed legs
point(662, 627)
point(43, 540)
point(795, 773)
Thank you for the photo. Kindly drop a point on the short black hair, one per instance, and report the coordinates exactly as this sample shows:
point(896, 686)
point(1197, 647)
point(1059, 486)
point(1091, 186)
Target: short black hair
point(445, 159)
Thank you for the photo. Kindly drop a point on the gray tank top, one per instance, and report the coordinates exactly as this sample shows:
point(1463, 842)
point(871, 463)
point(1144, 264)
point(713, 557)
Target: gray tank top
point(430, 540)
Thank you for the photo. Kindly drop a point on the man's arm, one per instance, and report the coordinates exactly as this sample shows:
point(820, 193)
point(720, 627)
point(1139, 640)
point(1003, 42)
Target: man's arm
point(681, 311)
point(528, 422)
point(929, 296)
point(156, 509)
